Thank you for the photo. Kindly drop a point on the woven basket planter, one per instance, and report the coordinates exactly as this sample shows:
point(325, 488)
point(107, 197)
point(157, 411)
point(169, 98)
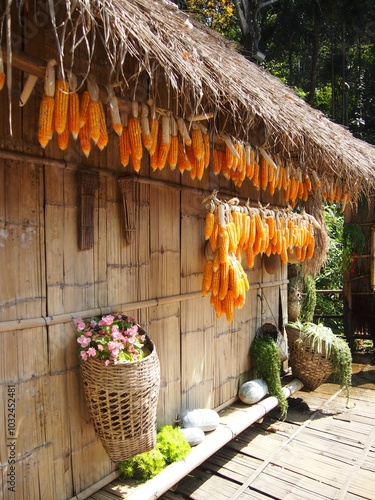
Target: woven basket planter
point(310, 367)
point(122, 401)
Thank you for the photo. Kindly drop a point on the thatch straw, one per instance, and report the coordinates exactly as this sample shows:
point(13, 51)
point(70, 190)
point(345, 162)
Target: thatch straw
point(211, 77)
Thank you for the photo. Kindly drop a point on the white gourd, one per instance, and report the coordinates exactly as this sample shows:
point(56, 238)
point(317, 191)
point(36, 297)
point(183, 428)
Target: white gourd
point(253, 391)
point(205, 419)
point(193, 435)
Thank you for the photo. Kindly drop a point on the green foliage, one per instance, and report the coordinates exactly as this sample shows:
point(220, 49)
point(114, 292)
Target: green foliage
point(266, 359)
point(322, 340)
point(354, 243)
point(171, 446)
point(331, 277)
point(342, 363)
point(309, 299)
point(144, 465)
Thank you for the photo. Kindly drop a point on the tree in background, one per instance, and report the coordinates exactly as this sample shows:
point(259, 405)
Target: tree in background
point(324, 50)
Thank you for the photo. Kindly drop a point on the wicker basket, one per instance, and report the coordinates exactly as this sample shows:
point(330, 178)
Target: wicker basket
point(122, 401)
point(310, 367)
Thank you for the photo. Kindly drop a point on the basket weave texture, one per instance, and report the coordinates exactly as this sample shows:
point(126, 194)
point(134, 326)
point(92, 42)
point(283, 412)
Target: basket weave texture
point(122, 401)
point(310, 367)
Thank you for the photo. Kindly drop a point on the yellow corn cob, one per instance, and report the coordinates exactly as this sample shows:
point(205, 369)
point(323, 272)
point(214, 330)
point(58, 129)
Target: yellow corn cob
point(197, 142)
point(216, 302)
point(84, 139)
point(215, 284)
point(124, 147)
point(173, 152)
point(311, 248)
point(214, 237)
point(84, 108)
point(45, 125)
point(154, 131)
point(218, 160)
point(162, 154)
point(103, 133)
point(2, 80)
point(207, 277)
point(200, 168)
point(233, 240)
point(284, 253)
point(229, 157)
point(256, 180)
point(224, 280)
point(63, 139)
point(223, 247)
point(114, 112)
point(94, 120)
point(136, 147)
point(207, 149)
point(73, 114)
point(263, 173)
point(228, 306)
point(183, 161)
point(250, 256)
point(137, 163)
point(209, 225)
point(61, 105)
point(216, 262)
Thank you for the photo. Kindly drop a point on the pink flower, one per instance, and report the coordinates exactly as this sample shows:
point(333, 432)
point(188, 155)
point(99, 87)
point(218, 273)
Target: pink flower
point(106, 320)
point(100, 347)
point(91, 352)
point(106, 362)
point(116, 335)
point(84, 341)
point(79, 324)
point(84, 355)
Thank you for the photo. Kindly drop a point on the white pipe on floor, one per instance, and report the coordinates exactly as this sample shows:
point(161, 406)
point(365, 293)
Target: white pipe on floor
point(172, 474)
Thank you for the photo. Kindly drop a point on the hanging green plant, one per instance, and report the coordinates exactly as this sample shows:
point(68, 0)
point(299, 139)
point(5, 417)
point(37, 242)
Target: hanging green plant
point(266, 358)
point(309, 299)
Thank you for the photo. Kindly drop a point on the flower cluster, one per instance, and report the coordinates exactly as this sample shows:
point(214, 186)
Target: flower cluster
point(111, 338)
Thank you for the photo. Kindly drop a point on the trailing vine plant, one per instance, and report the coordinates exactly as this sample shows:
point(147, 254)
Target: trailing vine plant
point(266, 358)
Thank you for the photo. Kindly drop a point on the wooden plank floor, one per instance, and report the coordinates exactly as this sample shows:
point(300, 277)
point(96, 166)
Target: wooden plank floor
point(325, 449)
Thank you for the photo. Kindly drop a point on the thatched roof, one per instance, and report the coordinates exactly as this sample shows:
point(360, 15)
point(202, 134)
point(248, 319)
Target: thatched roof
point(211, 77)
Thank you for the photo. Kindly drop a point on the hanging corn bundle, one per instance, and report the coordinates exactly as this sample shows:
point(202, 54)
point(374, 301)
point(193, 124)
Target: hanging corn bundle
point(232, 229)
point(73, 106)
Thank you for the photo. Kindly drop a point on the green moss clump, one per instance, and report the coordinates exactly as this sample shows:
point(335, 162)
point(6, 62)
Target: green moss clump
point(171, 446)
point(266, 359)
point(144, 465)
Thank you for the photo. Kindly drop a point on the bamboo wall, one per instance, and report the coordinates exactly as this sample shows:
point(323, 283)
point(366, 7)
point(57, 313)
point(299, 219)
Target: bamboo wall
point(46, 279)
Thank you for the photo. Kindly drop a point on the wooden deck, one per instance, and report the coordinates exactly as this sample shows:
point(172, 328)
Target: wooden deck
point(325, 449)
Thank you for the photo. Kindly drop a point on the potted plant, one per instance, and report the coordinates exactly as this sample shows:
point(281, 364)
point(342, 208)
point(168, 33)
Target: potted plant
point(316, 352)
point(121, 379)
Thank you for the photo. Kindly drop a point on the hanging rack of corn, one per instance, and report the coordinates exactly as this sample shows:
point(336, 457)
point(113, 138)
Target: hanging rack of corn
point(232, 229)
point(170, 140)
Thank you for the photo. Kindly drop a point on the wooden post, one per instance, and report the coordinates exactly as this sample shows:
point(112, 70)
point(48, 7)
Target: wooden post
point(372, 273)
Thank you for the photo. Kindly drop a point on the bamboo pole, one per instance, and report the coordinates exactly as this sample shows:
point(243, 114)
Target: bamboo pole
point(172, 474)
point(58, 319)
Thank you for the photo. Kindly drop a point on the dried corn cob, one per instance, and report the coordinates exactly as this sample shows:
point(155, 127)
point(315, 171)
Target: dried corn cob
point(45, 124)
point(197, 142)
point(173, 152)
point(73, 114)
point(84, 139)
point(94, 120)
point(183, 161)
point(124, 147)
point(224, 280)
point(207, 277)
point(209, 225)
point(61, 105)
point(103, 133)
point(2, 80)
point(63, 139)
point(207, 150)
point(134, 128)
point(84, 108)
